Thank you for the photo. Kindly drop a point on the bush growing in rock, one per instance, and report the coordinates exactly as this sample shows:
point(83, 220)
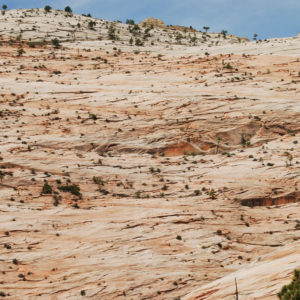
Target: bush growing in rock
point(68, 9)
point(292, 290)
point(4, 7)
point(130, 22)
point(112, 33)
point(56, 43)
point(73, 189)
point(47, 189)
point(91, 24)
point(47, 8)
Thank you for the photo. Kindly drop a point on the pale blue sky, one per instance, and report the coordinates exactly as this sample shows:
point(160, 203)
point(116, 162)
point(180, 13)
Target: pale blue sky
point(267, 18)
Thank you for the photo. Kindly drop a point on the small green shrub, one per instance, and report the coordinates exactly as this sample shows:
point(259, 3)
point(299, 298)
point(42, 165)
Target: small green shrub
point(47, 8)
point(138, 42)
point(228, 66)
point(68, 9)
point(130, 22)
point(91, 25)
point(212, 194)
point(47, 189)
point(112, 33)
point(21, 51)
point(56, 43)
point(292, 290)
point(93, 117)
point(98, 180)
point(73, 189)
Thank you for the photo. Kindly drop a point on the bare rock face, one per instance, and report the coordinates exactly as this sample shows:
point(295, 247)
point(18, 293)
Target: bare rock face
point(152, 22)
point(259, 280)
point(182, 28)
point(37, 25)
point(145, 172)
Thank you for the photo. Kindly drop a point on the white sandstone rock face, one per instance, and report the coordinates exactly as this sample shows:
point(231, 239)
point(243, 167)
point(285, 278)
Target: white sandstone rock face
point(38, 25)
point(260, 280)
point(137, 172)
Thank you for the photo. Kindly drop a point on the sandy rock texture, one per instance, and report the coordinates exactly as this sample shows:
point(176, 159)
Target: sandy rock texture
point(37, 25)
point(155, 172)
point(259, 280)
point(153, 22)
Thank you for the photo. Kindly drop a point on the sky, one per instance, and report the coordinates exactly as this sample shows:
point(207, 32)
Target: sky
point(267, 18)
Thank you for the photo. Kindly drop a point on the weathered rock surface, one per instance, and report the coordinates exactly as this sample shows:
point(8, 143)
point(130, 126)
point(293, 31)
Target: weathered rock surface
point(165, 143)
point(260, 280)
point(36, 25)
point(152, 22)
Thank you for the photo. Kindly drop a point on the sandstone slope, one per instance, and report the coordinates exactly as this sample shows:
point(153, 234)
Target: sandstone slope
point(187, 160)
